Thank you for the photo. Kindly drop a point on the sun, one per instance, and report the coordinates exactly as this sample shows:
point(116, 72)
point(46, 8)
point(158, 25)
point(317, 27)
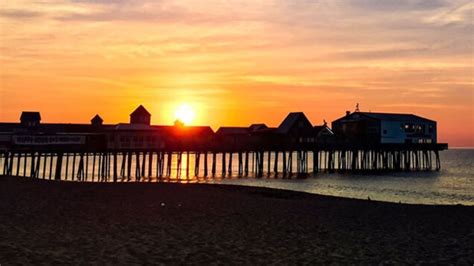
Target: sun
point(185, 113)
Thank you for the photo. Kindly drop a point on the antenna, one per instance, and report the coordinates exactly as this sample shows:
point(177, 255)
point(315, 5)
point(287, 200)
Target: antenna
point(357, 108)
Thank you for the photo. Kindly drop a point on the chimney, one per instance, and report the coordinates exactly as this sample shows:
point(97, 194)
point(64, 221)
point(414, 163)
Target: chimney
point(348, 113)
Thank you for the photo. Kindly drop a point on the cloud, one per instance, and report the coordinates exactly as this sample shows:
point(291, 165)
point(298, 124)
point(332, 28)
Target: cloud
point(462, 14)
point(399, 5)
point(19, 14)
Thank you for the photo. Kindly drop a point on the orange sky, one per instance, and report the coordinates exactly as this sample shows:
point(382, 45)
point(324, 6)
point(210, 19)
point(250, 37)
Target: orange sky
point(238, 62)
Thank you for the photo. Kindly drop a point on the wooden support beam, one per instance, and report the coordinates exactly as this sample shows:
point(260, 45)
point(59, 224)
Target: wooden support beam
point(213, 169)
point(59, 164)
point(18, 162)
point(315, 161)
point(275, 164)
point(50, 166)
point(223, 164)
point(205, 164)
point(115, 175)
point(150, 165)
point(229, 172)
point(187, 163)
point(246, 163)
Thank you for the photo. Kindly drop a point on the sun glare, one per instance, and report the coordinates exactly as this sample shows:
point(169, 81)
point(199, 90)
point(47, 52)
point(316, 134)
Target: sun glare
point(185, 114)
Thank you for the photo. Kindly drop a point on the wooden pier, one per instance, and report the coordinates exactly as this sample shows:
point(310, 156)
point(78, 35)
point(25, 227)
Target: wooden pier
point(182, 164)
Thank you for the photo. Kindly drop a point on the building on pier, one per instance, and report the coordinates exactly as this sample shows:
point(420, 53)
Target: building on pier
point(30, 119)
point(233, 136)
point(370, 127)
point(323, 133)
point(358, 142)
point(295, 132)
point(97, 121)
point(140, 116)
point(296, 129)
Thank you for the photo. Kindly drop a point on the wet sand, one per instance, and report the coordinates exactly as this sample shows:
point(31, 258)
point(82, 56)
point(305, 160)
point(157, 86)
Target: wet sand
point(86, 223)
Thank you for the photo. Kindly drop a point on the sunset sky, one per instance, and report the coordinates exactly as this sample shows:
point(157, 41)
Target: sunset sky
point(239, 62)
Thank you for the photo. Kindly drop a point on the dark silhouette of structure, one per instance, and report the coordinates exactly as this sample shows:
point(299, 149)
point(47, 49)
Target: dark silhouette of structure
point(140, 116)
point(97, 121)
point(385, 128)
point(30, 119)
point(359, 141)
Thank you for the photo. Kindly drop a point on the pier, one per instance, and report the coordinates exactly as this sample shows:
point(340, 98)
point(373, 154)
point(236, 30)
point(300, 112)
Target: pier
point(143, 165)
point(138, 151)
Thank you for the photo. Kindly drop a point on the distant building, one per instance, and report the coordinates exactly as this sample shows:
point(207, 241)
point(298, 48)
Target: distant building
point(97, 121)
point(30, 119)
point(370, 127)
point(323, 133)
point(296, 128)
point(233, 135)
point(140, 116)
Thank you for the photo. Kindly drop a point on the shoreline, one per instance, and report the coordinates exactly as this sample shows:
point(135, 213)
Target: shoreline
point(198, 182)
point(80, 222)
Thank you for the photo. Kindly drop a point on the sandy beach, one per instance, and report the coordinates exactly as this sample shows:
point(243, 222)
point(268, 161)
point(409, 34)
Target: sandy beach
point(45, 222)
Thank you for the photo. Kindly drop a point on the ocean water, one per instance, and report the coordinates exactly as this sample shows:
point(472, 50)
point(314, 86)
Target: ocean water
point(453, 184)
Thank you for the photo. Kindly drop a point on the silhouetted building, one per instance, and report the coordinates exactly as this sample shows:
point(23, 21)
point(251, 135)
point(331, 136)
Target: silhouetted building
point(97, 121)
point(296, 128)
point(323, 133)
point(233, 135)
point(30, 119)
point(140, 116)
point(369, 127)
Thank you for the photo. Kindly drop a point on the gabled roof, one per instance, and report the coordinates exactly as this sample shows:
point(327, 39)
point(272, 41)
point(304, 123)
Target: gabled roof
point(140, 111)
point(290, 122)
point(319, 129)
point(97, 119)
point(30, 116)
point(233, 131)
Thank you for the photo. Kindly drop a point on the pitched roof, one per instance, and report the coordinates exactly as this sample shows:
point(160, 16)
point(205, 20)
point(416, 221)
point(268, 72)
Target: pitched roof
point(290, 121)
point(233, 131)
point(318, 129)
point(96, 119)
point(140, 111)
point(30, 116)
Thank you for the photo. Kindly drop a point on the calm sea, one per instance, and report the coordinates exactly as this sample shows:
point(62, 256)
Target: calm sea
point(454, 184)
